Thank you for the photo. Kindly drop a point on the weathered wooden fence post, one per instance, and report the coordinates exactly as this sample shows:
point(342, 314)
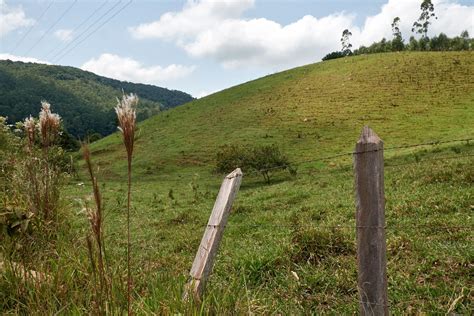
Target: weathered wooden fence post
point(370, 223)
point(204, 260)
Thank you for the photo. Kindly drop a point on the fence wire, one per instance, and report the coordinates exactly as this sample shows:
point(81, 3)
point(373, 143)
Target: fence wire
point(348, 168)
point(347, 154)
point(351, 227)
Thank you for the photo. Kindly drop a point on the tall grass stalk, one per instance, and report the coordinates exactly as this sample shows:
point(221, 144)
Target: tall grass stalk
point(29, 125)
point(95, 216)
point(126, 114)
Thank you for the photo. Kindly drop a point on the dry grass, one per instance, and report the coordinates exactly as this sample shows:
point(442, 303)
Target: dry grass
point(95, 242)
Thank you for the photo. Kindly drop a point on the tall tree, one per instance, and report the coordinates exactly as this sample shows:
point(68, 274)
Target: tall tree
point(346, 45)
point(397, 42)
point(427, 12)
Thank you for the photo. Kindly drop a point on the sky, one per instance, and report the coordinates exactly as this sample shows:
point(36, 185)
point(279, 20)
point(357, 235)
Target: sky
point(204, 46)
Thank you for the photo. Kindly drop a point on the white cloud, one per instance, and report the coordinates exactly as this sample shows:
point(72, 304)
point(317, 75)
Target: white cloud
point(218, 30)
point(12, 18)
point(64, 35)
point(262, 42)
point(5, 56)
point(128, 69)
point(196, 17)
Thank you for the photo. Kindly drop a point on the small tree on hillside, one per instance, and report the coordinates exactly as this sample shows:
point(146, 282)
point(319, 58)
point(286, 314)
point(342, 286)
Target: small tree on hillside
point(465, 42)
point(397, 42)
point(427, 12)
point(263, 159)
point(266, 159)
point(346, 45)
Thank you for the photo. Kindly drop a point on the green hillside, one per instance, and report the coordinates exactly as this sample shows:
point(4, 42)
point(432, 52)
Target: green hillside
point(83, 99)
point(316, 110)
point(305, 224)
point(289, 247)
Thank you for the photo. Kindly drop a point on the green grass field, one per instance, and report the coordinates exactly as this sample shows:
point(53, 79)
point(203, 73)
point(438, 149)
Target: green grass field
point(300, 226)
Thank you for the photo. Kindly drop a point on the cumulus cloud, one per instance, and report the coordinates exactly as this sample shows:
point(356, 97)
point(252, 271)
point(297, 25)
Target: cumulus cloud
point(5, 56)
point(196, 17)
point(12, 18)
point(218, 30)
point(64, 35)
point(128, 69)
point(262, 42)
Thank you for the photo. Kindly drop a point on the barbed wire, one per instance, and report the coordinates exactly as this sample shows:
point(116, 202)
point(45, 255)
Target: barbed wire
point(320, 159)
point(352, 227)
point(431, 159)
point(297, 226)
point(188, 178)
point(432, 143)
point(312, 172)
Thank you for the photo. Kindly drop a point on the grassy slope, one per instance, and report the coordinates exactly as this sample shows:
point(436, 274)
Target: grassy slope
point(406, 98)
point(317, 110)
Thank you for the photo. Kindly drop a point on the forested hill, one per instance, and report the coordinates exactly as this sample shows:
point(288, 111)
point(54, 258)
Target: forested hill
point(84, 100)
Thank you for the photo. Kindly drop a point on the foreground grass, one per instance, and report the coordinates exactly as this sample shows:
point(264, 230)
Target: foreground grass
point(289, 247)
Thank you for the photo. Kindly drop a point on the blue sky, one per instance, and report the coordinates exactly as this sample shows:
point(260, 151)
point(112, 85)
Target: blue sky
point(207, 45)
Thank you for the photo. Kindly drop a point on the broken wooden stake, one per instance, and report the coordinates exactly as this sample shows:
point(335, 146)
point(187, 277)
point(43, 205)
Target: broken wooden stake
point(203, 263)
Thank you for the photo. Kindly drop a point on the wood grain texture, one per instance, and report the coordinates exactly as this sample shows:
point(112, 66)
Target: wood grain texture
point(204, 260)
point(370, 221)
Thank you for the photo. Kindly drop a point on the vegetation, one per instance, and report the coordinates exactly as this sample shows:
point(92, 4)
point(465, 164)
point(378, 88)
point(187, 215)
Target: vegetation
point(436, 43)
point(289, 247)
point(427, 12)
point(440, 42)
point(84, 100)
point(264, 159)
point(345, 42)
point(126, 114)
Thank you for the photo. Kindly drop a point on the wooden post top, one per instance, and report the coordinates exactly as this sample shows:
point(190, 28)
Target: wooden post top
point(234, 174)
point(368, 136)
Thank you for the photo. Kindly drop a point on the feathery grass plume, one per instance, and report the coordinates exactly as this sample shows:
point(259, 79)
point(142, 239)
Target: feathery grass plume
point(29, 126)
point(48, 125)
point(126, 114)
point(30, 129)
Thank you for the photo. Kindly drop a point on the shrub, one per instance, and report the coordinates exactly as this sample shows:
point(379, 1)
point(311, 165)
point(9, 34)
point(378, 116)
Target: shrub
point(262, 159)
point(31, 175)
point(230, 157)
point(265, 159)
point(334, 55)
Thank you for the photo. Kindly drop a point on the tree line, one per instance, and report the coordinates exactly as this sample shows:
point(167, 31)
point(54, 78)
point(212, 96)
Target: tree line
point(439, 42)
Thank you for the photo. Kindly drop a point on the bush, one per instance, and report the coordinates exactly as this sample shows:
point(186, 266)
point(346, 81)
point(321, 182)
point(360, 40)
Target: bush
point(334, 55)
point(263, 159)
point(230, 157)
